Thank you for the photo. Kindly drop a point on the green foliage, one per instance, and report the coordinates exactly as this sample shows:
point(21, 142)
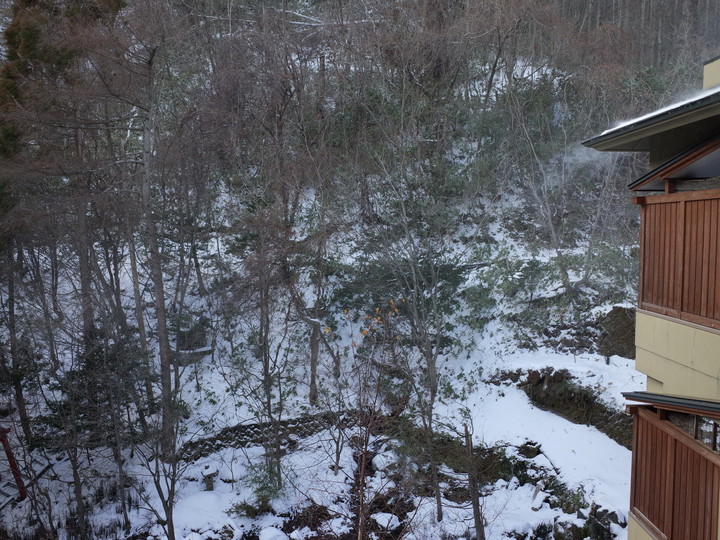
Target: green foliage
point(382, 285)
point(647, 82)
point(567, 499)
point(28, 43)
point(23, 37)
point(252, 510)
point(95, 395)
point(9, 144)
point(481, 301)
point(614, 271)
point(538, 126)
point(239, 244)
point(33, 53)
point(24, 368)
point(360, 116)
point(266, 486)
point(517, 279)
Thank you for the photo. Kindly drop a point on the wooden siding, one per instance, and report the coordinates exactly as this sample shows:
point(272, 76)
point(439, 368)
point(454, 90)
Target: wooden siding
point(680, 256)
point(675, 482)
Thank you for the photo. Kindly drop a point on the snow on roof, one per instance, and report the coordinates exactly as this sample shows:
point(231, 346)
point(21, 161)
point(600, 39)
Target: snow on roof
point(689, 101)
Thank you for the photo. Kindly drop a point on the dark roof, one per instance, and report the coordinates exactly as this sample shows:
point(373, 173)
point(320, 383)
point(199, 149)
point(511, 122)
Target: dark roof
point(687, 405)
point(699, 162)
point(634, 136)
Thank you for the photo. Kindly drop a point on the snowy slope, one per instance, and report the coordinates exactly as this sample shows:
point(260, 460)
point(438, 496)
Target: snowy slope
point(584, 458)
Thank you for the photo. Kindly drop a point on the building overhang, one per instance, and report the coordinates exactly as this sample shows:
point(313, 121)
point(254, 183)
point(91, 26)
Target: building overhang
point(697, 163)
point(682, 119)
point(687, 405)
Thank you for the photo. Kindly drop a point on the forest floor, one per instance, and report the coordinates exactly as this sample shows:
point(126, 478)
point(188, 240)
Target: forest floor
point(544, 476)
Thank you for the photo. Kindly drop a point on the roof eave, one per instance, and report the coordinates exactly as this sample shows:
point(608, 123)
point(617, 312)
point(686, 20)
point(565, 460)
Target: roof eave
point(635, 137)
point(681, 404)
point(676, 163)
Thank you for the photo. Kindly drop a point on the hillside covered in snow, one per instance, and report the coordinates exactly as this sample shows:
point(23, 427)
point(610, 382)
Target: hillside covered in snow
point(318, 269)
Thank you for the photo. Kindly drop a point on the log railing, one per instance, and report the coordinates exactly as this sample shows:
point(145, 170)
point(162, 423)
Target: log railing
point(680, 256)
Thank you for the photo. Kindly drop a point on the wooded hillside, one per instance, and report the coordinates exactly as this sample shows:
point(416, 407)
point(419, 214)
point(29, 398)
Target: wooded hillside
point(302, 202)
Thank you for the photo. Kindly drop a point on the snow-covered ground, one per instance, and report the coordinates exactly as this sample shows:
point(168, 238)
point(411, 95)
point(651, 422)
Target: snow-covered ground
point(585, 459)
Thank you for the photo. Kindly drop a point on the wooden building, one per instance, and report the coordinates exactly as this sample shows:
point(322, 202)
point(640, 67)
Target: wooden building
point(675, 485)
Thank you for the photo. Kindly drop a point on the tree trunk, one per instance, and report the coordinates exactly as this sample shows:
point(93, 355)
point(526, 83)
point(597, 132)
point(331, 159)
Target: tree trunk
point(273, 455)
point(55, 279)
point(117, 447)
point(314, 352)
point(48, 323)
point(86, 299)
point(166, 390)
point(361, 477)
point(17, 369)
point(473, 488)
point(139, 315)
point(74, 458)
point(434, 474)
point(156, 274)
point(202, 290)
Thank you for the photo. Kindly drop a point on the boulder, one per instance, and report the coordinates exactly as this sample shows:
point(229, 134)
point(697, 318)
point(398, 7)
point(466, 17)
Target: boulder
point(617, 333)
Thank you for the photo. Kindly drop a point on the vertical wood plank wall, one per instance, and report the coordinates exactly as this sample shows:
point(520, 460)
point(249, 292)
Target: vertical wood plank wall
point(680, 256)
point(676, 481)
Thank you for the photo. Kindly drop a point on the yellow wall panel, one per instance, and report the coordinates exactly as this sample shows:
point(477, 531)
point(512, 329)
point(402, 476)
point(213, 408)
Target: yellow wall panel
point(636, 531)
point(679, 359)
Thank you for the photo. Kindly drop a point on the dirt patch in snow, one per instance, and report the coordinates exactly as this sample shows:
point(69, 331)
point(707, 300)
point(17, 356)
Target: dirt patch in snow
point(557, 391)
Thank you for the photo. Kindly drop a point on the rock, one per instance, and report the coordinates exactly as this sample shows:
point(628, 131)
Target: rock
point(534, 377)
point(600, 521)
point(617, 333)
point(386, 521)
point(195, 337)
point(302, 534)
point(382, 461)
point(564, 530)
point(271, 533)
point(538, 501)
point(530, 449)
